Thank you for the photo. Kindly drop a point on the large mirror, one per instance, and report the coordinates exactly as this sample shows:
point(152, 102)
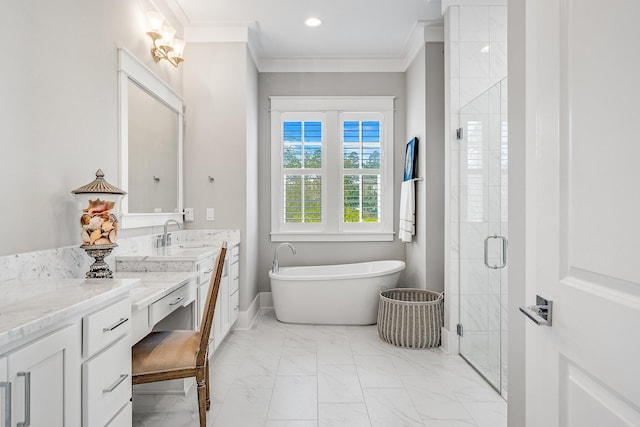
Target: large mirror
point(151, 122)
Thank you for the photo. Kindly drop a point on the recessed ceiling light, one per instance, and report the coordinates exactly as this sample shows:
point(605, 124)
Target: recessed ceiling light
point(313, 22)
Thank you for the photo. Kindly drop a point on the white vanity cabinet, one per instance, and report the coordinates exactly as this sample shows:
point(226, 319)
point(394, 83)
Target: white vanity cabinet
point(106, 374)
point(48, 348)
point(5, 395)
point(234, 285)
point(45, 380)
point(227, 307)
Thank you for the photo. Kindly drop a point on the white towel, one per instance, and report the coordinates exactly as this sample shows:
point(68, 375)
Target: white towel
point(407, 211)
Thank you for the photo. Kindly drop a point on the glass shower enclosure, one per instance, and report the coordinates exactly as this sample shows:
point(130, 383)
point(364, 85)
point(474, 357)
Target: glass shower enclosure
point(483, 234)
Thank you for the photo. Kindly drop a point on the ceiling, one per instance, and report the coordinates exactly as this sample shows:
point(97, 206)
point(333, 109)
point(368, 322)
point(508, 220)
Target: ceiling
point(351, 29)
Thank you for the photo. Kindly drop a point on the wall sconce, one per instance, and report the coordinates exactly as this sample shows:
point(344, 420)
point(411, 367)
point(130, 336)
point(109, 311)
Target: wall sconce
point(164, 45)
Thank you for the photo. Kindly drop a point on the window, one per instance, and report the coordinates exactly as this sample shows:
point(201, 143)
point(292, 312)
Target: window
point(332, 166)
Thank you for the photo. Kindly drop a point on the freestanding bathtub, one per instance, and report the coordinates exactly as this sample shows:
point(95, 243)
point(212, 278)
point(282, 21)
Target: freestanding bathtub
point(345, 294)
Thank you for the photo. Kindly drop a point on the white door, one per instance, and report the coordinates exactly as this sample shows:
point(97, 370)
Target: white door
point(583, 212)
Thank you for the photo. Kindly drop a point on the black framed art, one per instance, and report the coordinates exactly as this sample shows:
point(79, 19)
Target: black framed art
point(410, 159)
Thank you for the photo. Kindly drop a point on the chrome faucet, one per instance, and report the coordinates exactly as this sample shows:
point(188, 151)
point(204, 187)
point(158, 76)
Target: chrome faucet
point(276, 266)
point(166, 237)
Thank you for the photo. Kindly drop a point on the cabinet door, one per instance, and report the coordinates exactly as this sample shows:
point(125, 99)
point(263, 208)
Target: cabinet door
point(5, 395)
point(46, 380)
point(223, 299)
point(221, 312)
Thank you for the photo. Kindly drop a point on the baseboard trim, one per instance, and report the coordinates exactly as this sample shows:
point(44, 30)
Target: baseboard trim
point(247, 318)
point(449, 342)
point(266, 300)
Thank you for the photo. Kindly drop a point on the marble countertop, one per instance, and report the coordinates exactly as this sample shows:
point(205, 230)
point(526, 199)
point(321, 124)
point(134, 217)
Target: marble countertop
point(179, 257)
point(154, 285)
point(28, 306)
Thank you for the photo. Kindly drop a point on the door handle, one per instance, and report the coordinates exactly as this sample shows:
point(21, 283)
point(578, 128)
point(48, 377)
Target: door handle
point(7, 403)
point(116, 325)
point(539, 313)
point(176, 301)
point(504, 252)
point(113, 386)
point(27, 399)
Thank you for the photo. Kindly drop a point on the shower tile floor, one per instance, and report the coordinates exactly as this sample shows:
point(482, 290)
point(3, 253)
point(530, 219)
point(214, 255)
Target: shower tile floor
point(283, 375)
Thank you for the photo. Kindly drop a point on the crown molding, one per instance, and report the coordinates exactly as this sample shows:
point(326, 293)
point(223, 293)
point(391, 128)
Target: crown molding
point(446, 3)
point(330, 65)
point(423, 32)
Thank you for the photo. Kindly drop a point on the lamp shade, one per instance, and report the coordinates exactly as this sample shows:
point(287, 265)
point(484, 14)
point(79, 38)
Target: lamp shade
point(178, 48)
point(154, 22)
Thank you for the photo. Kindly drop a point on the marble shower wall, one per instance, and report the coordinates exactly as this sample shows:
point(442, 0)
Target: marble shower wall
point(476, 59)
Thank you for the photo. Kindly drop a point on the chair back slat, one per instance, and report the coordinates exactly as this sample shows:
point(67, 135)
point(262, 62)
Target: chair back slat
point(210, 305)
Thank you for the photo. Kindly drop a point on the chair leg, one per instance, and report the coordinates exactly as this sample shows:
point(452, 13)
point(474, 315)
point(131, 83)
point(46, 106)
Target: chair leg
point(207, 381)
point(202, 397)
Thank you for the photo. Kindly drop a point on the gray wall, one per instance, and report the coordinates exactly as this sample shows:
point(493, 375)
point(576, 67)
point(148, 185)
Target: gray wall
point(416, 251)
point(59, 110)
point(435, 166)
point(220, 97)
point(250, 242)
point(425, 119)
point(341, 84)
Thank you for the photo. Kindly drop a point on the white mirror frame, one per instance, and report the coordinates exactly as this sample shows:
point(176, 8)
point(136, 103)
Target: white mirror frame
point(131, 69)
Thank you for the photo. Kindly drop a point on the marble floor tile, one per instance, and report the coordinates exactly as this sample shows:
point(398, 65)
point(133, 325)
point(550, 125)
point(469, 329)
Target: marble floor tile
point(377, 371)
point(283, 375)
point(339, 384)
point(433, 400)
point(303, 363)
point(488, 414)
point(291, 423)
point(334, 350)
point(245, 407)
point(294, 398)
point(450, 423)
point(391, 407)
point(343, 415)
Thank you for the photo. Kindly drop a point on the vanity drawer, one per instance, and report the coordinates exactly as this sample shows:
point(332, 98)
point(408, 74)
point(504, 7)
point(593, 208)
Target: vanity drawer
point(205, 270)
point(124, 417)
point(105, 326)
point(106, 384)
point(234, 307)
point(202, 299)
point(234, 255)
point(181, 297)
point(234, 280)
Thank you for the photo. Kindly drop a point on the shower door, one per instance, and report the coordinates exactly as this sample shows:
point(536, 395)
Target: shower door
point(483, 165)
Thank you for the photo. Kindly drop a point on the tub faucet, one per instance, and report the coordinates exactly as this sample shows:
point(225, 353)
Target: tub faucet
point(276, 266)
point(166, 237)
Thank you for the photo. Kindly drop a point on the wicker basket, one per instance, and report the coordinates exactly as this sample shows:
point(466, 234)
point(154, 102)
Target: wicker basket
point(411, 318)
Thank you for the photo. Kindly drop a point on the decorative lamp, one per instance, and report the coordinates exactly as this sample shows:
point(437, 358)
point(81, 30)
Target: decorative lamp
point(99, 202)
point(164, 45)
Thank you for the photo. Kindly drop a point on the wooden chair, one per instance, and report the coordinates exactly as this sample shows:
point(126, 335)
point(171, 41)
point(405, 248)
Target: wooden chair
point(169, 355)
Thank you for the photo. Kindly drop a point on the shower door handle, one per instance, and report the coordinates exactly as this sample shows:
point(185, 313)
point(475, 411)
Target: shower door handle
point(504, 252)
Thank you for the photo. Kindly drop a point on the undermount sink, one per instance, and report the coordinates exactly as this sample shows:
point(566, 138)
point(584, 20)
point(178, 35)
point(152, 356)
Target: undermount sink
point(196, 245)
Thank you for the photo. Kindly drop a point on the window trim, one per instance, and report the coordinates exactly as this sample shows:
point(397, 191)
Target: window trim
point(332, 107)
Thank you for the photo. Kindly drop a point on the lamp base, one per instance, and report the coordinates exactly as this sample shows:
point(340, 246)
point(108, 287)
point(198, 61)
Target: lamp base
point(99, 269)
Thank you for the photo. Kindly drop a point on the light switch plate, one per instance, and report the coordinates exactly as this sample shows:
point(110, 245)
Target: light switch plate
point(188, 215)
point(210, 214)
